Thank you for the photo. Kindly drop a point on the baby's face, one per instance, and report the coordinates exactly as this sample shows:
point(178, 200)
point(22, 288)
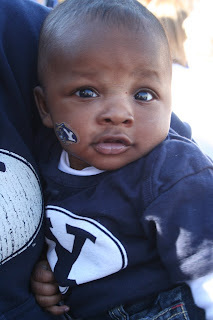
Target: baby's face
point(108, 96)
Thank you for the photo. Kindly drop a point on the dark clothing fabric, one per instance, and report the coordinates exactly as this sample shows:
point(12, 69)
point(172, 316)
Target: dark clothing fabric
point(21, 216)
point(126, 234)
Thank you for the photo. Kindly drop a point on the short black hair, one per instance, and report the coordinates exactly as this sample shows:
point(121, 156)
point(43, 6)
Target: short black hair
point(72, 13)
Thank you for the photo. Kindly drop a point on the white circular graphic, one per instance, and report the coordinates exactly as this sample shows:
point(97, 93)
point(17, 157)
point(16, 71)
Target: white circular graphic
point(82, 248)
point(20, 205)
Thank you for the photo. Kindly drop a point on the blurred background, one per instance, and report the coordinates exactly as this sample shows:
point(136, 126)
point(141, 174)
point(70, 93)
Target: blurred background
point(189, 27)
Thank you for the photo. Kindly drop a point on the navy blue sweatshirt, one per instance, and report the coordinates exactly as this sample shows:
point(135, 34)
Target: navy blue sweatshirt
point(126, 234)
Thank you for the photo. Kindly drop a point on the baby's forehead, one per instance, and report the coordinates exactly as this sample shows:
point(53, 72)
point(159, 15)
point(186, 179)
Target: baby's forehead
point(95, 47)
point(72, 15)
point(115, 43)
point(76, 31)
point(89, 29)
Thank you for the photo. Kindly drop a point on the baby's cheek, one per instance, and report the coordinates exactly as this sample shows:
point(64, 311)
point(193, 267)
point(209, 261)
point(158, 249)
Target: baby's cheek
point(65, 133)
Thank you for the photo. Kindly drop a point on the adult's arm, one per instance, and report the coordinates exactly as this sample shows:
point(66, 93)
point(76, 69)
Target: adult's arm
point(21, 230)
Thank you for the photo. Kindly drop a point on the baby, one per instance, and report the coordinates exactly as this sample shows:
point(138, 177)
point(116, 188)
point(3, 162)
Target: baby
point(128, 200)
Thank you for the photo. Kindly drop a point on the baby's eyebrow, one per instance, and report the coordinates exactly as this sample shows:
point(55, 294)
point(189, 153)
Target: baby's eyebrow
point(147, 73)
point(84, 74)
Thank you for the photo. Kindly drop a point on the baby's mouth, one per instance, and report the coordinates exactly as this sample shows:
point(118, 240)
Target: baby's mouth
point(112, 145)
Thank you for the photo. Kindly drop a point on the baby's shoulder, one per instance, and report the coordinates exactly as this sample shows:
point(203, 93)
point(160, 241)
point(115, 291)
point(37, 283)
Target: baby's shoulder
point(175, 159)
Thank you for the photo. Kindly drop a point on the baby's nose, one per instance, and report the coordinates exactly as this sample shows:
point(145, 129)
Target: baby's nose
point(117, 114)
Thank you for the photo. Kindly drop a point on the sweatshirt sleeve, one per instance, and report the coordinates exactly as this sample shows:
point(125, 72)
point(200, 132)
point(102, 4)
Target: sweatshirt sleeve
point(179, 218)
point(20, 23)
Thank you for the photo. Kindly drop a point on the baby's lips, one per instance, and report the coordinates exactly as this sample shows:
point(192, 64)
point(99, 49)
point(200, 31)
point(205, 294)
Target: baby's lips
point(112, 145)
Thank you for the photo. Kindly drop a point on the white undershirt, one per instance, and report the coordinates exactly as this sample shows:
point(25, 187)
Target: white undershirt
point(64, 165)
point(202, 288)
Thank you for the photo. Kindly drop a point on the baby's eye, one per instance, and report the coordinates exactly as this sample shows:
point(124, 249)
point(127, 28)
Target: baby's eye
point(86, 93)
point(144, 95)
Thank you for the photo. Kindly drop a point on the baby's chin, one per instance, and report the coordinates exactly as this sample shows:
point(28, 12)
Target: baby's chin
point(112, 165)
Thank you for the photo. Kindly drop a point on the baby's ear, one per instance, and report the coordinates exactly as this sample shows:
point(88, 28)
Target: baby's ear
point(42, 107)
